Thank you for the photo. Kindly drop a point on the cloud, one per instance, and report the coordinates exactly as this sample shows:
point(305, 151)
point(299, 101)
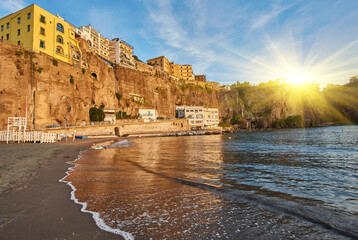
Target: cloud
point(12, 5)
point(267, 17)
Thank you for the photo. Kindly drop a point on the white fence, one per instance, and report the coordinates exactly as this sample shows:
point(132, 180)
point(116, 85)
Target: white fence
point(28, 136)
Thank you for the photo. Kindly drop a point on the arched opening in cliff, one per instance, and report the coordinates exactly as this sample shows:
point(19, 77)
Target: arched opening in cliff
point(116, 131)
point(94, 75)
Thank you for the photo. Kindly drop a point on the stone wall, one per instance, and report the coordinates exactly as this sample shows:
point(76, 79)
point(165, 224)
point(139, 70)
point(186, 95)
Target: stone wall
point(131, 129)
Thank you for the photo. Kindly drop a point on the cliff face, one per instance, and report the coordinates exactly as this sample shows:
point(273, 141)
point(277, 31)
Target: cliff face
point(272, 103)
point(55, 91)
point(159, 91)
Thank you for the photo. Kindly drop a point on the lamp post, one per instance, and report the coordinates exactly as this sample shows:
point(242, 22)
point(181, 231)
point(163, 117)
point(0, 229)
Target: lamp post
point(65, 127)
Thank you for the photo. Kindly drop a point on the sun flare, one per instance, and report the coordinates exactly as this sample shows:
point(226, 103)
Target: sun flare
point(299, 78)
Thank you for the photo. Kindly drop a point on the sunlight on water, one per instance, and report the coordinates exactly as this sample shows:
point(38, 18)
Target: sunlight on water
point(299, 183)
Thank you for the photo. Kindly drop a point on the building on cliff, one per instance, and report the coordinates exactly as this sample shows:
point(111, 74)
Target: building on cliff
point(200, 78)
point(181, 71)
point(40, 31)
point(98, 43)
point(121, 52)
point(161, 62)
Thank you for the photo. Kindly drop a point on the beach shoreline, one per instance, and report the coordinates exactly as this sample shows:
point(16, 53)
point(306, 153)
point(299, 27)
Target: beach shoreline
point(34, 203)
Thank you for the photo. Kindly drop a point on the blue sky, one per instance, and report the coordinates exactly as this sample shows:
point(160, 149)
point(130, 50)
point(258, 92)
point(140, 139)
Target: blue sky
point(229, 40)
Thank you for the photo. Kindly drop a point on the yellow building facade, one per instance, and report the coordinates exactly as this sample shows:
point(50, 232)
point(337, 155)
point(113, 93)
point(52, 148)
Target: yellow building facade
point(182, 71)
point(40, 31)
point(161, 62)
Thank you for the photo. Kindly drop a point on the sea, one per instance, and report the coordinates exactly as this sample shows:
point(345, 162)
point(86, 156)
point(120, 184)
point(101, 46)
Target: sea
point(279, 184)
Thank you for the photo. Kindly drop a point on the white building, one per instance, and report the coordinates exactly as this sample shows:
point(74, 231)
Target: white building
point(211, 116)
point(99, 44)
point(148, 115)
point(121, 52)
point(194, 114)
point(198, 116)
point(109, 115)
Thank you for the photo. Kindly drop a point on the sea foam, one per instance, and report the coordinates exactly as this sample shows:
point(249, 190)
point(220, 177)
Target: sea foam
point(96, 216)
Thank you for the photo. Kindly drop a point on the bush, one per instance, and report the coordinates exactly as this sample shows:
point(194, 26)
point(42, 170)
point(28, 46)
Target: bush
point(96, 114)
point(83, 71)
point(54, 62)
point(290, 121)
point(118, 96)
point(294, 121)
point(224, 124)
point(18, 53)
point(236, 119)
point(39, 70)
point(71, 79)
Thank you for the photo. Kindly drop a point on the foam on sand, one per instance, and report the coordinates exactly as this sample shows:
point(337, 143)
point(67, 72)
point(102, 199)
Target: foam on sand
point(96, 216)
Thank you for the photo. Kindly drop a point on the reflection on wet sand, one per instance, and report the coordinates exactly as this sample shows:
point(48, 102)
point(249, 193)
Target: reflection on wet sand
point(130, 190)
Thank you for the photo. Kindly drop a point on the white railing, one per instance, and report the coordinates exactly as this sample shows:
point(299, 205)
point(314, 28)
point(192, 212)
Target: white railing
point(28, 136)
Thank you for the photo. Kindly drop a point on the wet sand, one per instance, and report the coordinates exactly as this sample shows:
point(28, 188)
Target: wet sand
point(33, 203)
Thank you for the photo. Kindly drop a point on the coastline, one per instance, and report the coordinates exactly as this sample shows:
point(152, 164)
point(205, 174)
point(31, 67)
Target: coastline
point(38, 206)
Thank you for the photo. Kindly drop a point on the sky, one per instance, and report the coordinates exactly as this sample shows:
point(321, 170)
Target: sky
point(228, 41)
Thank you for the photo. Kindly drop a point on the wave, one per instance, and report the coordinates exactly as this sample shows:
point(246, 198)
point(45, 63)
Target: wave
point(96, 216)
point(121, 144)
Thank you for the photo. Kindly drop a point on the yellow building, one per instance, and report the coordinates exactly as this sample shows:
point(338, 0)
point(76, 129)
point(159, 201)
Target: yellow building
point(161, 62)
point(185, 72)
point(200, 78)
point(40, 31)
point(181, 71)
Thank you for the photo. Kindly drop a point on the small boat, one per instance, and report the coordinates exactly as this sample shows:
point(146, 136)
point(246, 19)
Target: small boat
point(100, 147)
point(81, 137)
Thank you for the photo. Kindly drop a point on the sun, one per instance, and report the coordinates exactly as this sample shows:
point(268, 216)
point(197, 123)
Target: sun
point(298, 78)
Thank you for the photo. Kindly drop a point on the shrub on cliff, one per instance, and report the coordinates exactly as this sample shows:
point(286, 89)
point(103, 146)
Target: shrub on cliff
point(71, 79)
point(224, 124)
point(96, 114)
point(54, 62)
point(118, 96)
point(236, 119)
point(294, 121)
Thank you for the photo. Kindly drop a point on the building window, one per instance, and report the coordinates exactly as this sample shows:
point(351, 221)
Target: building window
point(59, 39)
point(28, 28)
point(60, 27)
point(42, 19)
point(42, 44)
point(42, 31)
point(59, 50)
point(2, 27)
point(19, 20)
point(7, 36)
point(18, 32)
point(18, 43)
point(29, 15)
point(7, 25)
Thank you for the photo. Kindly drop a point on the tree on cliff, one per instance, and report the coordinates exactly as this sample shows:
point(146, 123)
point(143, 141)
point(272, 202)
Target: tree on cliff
point(96, 114)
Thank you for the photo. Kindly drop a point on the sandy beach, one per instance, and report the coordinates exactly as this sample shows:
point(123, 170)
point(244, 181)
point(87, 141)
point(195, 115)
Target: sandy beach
point(33, 203)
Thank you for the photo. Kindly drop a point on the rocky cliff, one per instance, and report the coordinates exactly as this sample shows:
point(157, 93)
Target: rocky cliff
point(54, 91)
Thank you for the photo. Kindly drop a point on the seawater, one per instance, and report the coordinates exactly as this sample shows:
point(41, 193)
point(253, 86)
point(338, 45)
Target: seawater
point(282, 184)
